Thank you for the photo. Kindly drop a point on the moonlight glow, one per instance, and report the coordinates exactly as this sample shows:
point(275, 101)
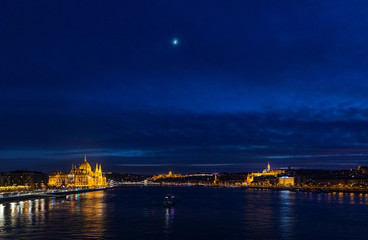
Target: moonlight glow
point(175, 42)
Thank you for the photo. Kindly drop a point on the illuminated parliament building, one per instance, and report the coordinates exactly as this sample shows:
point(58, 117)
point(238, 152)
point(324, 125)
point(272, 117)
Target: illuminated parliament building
point(79, 177)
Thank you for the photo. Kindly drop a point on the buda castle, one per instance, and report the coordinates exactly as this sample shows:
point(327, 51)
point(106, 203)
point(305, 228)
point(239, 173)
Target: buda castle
point(83, 176)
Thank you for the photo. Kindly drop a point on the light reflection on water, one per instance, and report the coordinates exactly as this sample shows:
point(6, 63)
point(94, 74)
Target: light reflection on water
point(207, 213)
point(287, 213)
point(34, 215)
point(169, 219)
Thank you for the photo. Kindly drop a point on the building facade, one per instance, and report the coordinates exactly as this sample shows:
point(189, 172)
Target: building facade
point(264, 176)
point(286, 181)
point(83, 176)
point(28, 179)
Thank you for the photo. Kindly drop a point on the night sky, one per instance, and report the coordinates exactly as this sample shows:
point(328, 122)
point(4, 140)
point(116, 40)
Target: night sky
point(189, 86)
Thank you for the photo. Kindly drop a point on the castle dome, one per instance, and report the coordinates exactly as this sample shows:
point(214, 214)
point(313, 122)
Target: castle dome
point(85, 165)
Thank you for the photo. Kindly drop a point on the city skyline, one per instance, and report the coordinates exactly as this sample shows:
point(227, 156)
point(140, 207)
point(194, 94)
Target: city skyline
point(197, 86)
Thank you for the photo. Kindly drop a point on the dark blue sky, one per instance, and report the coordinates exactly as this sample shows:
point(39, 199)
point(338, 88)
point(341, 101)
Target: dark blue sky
point(248, 82)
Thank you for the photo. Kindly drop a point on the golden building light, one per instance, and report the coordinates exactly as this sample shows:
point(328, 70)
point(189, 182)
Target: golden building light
point(83, 176)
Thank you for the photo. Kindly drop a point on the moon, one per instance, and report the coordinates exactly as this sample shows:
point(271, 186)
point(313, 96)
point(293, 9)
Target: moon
point(175, 42)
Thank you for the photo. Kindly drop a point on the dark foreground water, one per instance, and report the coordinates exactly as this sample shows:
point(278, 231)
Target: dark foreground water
point(201, 213)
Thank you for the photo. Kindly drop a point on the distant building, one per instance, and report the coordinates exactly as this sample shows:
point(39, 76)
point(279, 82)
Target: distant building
point(363, 169)
point(200, 175)
point(125, 177)
point(79, 177)
point(324, 178)
point(169, 175)
point(264, 174)
point(31, 179)
point(286, 181)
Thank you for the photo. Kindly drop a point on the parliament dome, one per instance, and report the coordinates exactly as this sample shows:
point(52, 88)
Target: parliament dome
point(85, 165)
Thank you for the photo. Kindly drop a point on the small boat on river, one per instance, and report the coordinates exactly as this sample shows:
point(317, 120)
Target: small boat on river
point(169, 200)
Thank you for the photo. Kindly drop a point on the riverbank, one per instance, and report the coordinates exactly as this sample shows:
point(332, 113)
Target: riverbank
point(48, 194)
point(276, 188)
point(64, 193)
point(313, 190)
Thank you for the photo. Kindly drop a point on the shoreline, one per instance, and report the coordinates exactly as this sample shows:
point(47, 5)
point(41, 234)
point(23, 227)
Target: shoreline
point(317, 190)
point(60, 194)
point(63, 194)
point(311, 190)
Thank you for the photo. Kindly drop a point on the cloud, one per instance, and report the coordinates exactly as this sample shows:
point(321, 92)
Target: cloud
point(71, 153)
point(317, 156)
point(184, 140)
point(179, 164)
point(144, 165)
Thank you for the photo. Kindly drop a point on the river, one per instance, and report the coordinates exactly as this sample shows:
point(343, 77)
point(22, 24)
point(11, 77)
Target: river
point(200, 213)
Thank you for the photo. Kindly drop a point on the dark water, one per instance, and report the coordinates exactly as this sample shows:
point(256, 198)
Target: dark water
point(201, 213)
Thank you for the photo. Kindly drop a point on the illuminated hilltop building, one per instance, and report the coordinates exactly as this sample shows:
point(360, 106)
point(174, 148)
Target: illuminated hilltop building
point(79, 177)
point(170, 175)
point(266, 173)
